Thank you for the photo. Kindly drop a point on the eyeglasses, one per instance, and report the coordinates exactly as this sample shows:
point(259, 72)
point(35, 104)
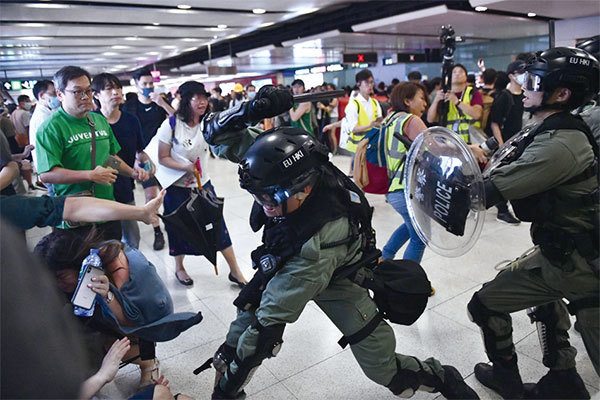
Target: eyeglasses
point(79, 93)
point(199, 99)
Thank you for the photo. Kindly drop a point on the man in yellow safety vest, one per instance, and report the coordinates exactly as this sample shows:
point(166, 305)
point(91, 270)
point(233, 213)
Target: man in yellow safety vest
point(465, 104)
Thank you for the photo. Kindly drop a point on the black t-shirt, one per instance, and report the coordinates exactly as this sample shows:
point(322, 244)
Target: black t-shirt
point(499, 111)
point(128, 132)
point(151, 116)
point(514, 120)
point(217, 105)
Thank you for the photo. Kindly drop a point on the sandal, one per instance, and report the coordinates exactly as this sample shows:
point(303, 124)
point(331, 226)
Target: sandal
point(154, 374)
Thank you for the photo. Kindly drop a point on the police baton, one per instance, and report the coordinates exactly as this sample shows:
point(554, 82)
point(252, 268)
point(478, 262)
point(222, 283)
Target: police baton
point(311, 97)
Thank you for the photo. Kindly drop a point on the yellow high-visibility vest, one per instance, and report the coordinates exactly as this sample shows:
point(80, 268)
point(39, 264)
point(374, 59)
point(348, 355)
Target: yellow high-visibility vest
point(458, 121)
point(363, 120)
point(395, 150)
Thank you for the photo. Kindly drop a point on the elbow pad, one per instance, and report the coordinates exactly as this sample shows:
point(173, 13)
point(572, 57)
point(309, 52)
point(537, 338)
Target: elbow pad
point(269, 102)
point(234, 119)
point(492, 194)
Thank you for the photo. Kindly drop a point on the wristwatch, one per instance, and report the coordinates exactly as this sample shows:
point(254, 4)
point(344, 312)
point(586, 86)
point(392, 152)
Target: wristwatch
point(109, 297)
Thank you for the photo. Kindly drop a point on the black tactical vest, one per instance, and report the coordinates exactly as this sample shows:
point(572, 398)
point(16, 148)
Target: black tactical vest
point(539, 207)
point(334, 196)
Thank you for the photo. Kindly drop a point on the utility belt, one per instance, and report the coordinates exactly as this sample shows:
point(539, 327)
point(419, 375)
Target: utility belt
point(558, 245)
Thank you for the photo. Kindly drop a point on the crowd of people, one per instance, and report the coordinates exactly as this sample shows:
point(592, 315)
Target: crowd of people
point(88, 146)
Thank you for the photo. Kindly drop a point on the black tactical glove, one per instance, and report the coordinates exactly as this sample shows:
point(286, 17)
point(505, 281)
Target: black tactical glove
point(269, 102)
point(233, 119)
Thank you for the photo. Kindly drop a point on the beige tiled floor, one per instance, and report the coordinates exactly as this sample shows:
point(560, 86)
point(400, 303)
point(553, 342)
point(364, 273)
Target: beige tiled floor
point(311, 365)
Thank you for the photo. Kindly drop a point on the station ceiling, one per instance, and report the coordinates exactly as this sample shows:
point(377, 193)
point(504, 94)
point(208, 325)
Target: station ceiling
point(257, 36)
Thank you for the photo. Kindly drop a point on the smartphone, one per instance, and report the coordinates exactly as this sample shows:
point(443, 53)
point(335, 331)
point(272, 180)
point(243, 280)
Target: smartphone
point(84, 296)
point(112, 162)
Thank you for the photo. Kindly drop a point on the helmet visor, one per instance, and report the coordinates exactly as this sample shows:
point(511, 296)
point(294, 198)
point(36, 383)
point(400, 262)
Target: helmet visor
point(533, 82)
point(267, 199)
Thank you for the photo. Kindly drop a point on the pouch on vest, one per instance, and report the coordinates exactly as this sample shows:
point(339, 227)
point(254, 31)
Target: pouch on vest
point(400, 288)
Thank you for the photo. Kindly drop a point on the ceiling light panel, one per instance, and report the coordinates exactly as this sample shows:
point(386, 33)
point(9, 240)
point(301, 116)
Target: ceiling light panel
point(396, 19)
point(323, 35)
point(254, 51)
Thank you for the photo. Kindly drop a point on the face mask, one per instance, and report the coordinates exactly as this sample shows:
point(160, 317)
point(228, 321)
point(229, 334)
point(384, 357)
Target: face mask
point(251, 95)
point(520, 79)
point(27, 106)
point(53, 103)
point(146, 91)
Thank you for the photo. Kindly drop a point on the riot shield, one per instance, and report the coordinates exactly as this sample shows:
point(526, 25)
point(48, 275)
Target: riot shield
point(444, 192)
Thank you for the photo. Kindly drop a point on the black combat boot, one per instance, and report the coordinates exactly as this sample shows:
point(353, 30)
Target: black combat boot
point(558, 384)
point(454, 386)
point(218, 393)
point(502, 377)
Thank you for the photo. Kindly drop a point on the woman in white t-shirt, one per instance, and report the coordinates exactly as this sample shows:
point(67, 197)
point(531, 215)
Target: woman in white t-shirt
point(187, 144)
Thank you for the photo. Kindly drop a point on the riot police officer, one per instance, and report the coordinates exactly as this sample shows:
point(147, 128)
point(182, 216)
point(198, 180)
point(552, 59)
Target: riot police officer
point(551, 179)
point(304, 243)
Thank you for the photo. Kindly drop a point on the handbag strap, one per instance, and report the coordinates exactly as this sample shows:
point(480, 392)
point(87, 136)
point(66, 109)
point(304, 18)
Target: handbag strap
point(93, 155)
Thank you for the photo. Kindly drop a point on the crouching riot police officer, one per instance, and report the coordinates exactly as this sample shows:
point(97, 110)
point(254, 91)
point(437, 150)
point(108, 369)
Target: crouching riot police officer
point(307, 209)
point(551, 178)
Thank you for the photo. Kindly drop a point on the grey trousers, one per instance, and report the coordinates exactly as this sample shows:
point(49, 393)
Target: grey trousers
point(534, 281)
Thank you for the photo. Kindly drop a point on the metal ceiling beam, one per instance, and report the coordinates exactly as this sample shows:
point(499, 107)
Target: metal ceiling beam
point(340, 17)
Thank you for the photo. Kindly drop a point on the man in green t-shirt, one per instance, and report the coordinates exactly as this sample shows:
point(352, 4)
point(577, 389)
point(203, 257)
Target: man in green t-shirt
point(300, 114)
point(64, 145)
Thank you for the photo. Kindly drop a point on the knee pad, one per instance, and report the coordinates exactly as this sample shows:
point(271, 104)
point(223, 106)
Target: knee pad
point(480, 315)
point(223, 357)
point(546, 321)
point(269, 343)
point(270, 339)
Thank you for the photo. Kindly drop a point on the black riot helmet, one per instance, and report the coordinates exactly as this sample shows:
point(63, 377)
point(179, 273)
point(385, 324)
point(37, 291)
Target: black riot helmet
point(281, 163)
point(591, 45)
point(562, 67)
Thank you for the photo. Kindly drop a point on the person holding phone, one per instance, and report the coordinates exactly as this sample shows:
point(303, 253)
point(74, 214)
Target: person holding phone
point(134, 300)
point(73, 139)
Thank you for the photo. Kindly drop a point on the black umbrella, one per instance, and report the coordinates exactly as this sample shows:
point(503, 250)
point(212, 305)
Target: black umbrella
point(198, 220)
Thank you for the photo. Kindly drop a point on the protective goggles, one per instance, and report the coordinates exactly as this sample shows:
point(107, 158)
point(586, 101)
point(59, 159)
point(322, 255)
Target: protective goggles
point(533, 82)
point(272, 199)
